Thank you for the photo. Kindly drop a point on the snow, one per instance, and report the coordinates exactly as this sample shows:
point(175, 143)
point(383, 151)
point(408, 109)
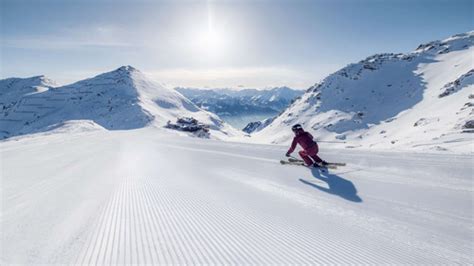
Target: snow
point(148, 196)
point(390, 93)
point(90, 174)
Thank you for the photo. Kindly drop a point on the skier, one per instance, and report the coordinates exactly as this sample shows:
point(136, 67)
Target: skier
point(310, 147)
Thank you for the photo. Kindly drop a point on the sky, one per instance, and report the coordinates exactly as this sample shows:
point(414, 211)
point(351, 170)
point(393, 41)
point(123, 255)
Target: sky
point(216, 43)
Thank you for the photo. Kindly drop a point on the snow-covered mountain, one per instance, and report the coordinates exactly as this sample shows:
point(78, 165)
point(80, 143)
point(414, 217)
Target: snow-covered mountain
point(420, 100)
point(256, 126)
point(120, 99)
point(235, 102)
point(13, 89)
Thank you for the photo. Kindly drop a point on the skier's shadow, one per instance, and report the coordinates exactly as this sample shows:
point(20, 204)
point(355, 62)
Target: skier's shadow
point(337, 185)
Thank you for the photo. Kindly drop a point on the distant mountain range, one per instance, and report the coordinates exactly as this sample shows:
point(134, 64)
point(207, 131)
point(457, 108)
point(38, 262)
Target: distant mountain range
point(420, 100)
point(231, 102)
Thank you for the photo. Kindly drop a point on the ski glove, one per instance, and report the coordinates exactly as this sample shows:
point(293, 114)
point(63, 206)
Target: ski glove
point(287, 155)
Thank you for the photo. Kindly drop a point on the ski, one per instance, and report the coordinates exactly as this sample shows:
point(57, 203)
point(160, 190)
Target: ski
point(329, 163)
point(292, 162)
point(301, 163)
point(291, 159)
point(337, 164)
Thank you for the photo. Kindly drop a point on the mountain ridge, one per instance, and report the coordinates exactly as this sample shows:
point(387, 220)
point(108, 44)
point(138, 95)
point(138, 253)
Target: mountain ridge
point(120, 99)
point(224, 101)
point(378, 101)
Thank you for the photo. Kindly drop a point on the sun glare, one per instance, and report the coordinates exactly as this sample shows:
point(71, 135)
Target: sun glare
point(210, 41)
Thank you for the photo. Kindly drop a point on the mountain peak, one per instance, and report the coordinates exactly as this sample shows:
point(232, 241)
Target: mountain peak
point(123, 74)
point(39, 77)
point(123, 71)
point(126, 70)
point(456, 42)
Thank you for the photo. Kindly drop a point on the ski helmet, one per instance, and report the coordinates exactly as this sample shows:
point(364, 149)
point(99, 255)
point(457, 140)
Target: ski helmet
point(296, 127)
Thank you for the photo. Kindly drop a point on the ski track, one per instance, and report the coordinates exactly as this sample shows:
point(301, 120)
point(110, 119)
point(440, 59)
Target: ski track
point(380, 226)
point(145, 212)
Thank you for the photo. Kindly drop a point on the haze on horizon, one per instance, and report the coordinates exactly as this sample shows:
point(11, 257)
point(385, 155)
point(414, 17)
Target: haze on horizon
point(216, 43)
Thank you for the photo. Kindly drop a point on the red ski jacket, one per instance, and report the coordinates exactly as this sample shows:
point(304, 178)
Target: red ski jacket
point(304, 139)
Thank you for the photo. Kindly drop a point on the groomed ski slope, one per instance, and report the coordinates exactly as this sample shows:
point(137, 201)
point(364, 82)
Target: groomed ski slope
point(149, 197)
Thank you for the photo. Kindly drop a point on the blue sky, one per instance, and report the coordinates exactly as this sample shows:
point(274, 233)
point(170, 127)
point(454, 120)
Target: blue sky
point(216, 43)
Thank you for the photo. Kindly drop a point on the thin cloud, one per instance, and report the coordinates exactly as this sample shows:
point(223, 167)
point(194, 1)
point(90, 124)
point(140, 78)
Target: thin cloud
point(51, 43)
point(67, 39)
point(256, 77)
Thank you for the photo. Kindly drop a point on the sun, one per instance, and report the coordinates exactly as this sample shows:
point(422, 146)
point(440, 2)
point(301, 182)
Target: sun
point(211, 39)
point(211, 42)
